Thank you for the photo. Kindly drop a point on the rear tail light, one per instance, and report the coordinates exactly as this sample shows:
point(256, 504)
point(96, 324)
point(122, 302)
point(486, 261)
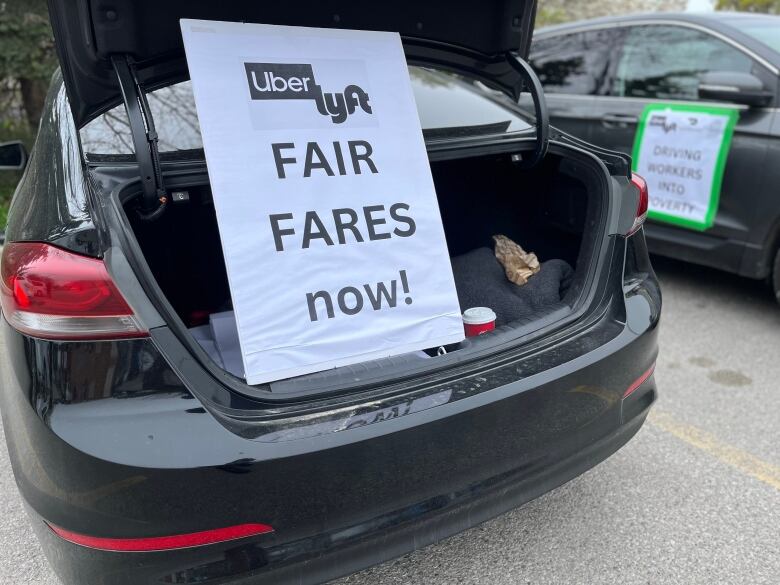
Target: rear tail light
point(51, 293)
point(160, 543)
point(639, 381)
point(641, 207)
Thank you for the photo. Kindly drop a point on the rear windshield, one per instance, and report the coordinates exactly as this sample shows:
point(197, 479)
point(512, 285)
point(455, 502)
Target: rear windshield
point(447, 105)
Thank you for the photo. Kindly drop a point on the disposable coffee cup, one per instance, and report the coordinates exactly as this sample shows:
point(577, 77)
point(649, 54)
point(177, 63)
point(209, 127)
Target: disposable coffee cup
point(478, 320)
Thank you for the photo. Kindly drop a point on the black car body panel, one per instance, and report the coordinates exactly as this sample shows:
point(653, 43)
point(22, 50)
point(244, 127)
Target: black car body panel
point(87, 34)
point(745, 236)
point(52, 202)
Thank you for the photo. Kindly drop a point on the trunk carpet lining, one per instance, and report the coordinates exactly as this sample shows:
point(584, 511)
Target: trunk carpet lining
point(481, 282)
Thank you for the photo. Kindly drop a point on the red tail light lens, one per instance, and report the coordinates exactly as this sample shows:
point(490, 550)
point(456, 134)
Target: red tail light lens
point(639, 381)
point(159, 543)
point(644, 202)
point(51, 293)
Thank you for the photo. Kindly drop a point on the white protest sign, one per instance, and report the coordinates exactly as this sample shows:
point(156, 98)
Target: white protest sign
point(329, 221)
point(681, 152)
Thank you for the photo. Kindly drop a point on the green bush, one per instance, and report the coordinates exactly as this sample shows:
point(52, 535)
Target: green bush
point(547, 15)
point(763, 6)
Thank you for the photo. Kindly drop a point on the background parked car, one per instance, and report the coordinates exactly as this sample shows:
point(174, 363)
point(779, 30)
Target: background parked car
point(600, 74)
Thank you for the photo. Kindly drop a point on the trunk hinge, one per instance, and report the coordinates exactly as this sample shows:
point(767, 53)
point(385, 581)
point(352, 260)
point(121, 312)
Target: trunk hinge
point(144, 135)
point(534, 86)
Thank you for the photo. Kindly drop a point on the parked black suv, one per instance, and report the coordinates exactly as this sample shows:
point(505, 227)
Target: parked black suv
point(599, 75)
point(141, 460)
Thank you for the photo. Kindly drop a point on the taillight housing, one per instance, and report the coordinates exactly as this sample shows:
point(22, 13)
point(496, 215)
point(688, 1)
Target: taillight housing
point(52, 293)
point(642, 204)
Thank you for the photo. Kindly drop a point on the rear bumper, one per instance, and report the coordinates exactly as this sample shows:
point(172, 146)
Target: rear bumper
point(142, 458)
point(333, 554)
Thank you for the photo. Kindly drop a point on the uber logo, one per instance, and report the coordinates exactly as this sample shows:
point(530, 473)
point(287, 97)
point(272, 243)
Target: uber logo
point(295, 81)
point(276, 81)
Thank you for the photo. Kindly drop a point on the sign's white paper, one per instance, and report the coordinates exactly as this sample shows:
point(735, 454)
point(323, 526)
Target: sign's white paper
point(327, 212)
point(681, 152)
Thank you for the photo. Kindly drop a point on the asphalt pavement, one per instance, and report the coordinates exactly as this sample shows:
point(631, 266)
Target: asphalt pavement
point(693, 498)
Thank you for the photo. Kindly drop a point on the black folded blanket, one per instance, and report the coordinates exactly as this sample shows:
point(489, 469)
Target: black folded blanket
point(481, 282)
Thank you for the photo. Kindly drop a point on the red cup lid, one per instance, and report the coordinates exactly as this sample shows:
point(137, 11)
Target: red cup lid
point(478, 316)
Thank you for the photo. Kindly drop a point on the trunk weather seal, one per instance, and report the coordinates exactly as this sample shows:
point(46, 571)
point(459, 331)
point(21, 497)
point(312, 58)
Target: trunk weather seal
point(583, 304)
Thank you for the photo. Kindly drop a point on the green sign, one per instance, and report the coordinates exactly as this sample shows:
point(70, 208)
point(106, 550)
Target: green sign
point(681, 151)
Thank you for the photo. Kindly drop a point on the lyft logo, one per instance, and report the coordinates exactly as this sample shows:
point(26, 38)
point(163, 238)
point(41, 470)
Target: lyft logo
point(292, 81)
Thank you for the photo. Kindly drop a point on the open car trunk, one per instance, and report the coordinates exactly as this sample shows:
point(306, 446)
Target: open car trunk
point(555, 210)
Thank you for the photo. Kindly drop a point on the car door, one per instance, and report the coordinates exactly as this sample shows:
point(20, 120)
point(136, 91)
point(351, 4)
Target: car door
point(574, 68)
point(663, 63)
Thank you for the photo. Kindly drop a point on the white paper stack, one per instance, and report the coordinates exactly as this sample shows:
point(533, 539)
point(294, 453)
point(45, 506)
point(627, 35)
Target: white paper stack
point(219, 339)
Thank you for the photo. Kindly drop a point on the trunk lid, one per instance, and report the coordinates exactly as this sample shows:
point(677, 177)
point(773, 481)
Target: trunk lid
point(461, 34)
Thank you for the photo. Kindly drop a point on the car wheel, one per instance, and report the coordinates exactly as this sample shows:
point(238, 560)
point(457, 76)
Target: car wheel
point(776, 276)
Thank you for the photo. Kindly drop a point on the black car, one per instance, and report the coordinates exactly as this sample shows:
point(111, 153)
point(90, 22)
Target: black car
point(141, 460)
point(599, 75)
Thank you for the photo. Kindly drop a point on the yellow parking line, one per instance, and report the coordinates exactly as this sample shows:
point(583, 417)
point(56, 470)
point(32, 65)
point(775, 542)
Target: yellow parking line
point(737, 458)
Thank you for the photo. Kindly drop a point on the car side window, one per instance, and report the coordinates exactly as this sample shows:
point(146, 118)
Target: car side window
point(665, 62)
point(576, 63)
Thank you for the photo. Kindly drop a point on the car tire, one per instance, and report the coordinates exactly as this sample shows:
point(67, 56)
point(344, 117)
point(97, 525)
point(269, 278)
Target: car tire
point(775, 277)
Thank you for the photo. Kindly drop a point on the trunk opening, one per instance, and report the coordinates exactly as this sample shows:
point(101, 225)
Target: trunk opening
point(555, 210)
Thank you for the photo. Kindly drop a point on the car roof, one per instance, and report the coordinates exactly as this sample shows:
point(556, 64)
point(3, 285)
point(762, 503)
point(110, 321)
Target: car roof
point(724, 23)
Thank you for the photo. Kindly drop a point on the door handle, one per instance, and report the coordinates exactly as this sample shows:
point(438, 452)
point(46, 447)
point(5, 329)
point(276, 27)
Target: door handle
point(619, 120)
